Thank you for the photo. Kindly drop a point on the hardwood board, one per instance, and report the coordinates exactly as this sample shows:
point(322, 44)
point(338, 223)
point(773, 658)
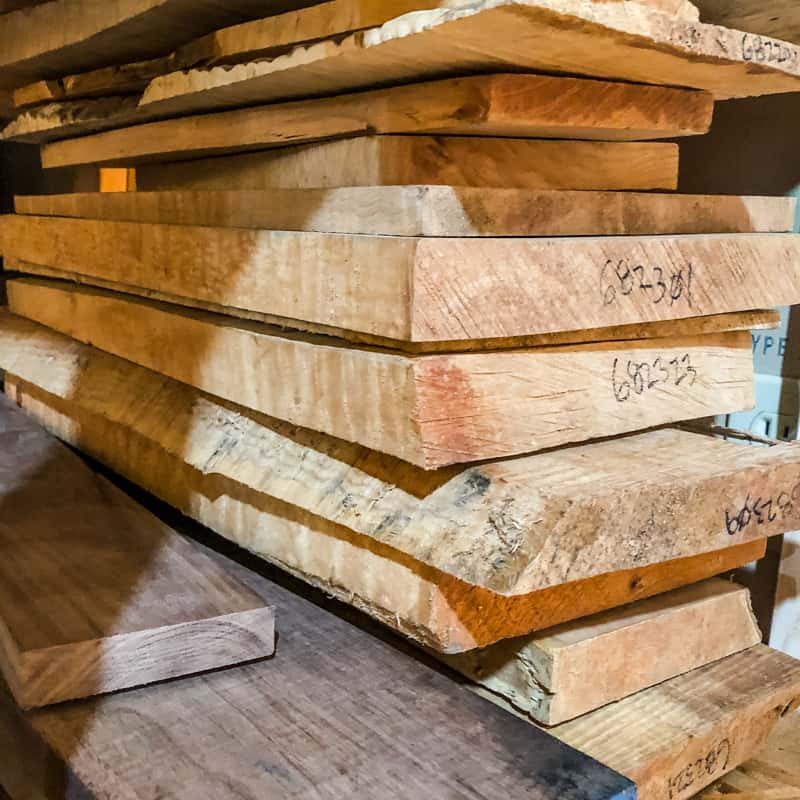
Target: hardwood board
point(477, 162)
point(676, 738)
point(430, 211)
point(64, 36)
point(429, 410)
point(298, 726)
point(692, 326)
point(400, 532)
point(512, 105)
point(446, 614)
point(772, 774)
point(778, 18)
point(427, 289)
point(111, 597)
point(567, 671)
point(268, 37)
point(621, 41)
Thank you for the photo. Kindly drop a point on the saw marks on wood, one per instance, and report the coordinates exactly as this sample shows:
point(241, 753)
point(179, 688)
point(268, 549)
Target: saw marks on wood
point(422, 289)
point(407, 545)
point(338, 713)
point(429, 211)
point(567, 671)
point(527, 106)
point(431, 410)
point(621, 41)
point(96, 594)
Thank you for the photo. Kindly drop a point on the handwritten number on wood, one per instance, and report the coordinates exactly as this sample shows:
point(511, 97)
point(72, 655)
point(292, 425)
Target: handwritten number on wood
point(637, 377)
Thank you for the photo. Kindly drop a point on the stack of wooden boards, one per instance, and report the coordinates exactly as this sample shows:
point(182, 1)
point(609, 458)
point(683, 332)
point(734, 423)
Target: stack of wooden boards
point(418, 343)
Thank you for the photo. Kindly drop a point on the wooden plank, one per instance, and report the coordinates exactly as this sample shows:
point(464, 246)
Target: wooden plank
point(413, 160)
point(429, 410)
point(526, 106)
point(65, 36)
point(772, 774)
point(266, 38)
point(779, 19)
point(429, 210)
point(564, 672)
point(427, 289)
point(728, 709)
point(113, 598)
point(399, 532)
point(620, 41)
point(690, 327)
point(298, 725)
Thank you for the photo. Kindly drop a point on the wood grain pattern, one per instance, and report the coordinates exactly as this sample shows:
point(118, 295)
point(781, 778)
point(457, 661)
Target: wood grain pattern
point(426, 289)
point(529, 106)
point(689, 327)
point(429, 210)
point(728, 709)
point(113, 598)
point(298, 726)
point(564, 672)
point(57, 38)
point(620, 41)
point(429, 410)
point(387, 536)
point(370, 161)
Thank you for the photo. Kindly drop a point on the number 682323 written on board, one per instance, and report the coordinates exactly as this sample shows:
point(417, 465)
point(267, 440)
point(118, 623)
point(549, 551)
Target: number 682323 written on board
point(623, 277)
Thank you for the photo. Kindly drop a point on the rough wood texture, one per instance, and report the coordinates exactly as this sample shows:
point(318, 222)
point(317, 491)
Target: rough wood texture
point(430, 211)
point(623, 41)
point(429, 410)
point(297, 726)
point(112, 597)
point(452, 160)
point(690, 327)
point(492, 105)
point(266, 38)
point(561, 673)
point(778, 18)
point(388, 536)
point(773, 774)
point(674, 739)
point(65, 36)
point(425, 289)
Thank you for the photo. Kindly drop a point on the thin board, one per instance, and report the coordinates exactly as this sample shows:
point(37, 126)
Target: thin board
point(112, 597)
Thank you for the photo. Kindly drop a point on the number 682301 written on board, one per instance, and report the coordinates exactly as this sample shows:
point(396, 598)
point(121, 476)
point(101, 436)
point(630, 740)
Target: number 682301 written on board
point(623, 277)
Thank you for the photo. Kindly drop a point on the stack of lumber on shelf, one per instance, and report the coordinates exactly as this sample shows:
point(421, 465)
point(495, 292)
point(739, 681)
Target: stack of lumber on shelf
point(423, 327)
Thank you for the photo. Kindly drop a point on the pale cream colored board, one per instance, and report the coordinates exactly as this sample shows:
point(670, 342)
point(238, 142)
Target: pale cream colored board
point(562, 673)
point(692, 326)
point(432, 410)
point(511, 526)
point(516, 105)
point(425, 289)
point(623, 41)
point(429, 210)
point(411, 160)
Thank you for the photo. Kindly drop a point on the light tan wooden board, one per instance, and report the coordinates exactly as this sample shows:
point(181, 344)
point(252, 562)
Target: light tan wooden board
point(676, 738)
point(778, 18)
point(622, 41)
point(64, 36)
point(512, 526)
point(393, 586)
point(427, 289)
point(564, 672)
point(430, 410)
point(267, 37)
point(516, 105)
point(464, 161)
point(692, 326)
point(772, 774)
point(429, 211)
point(97, 594)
